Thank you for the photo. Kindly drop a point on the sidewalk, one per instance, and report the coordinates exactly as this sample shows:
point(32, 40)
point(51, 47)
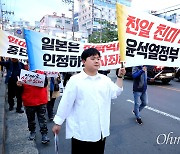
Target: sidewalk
point(13, 129)
point(2, 116)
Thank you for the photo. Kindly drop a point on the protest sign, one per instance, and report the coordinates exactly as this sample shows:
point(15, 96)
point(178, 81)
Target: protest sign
point(51, 74)
point(31, 78)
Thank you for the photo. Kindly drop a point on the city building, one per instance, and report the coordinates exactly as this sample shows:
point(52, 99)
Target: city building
point(17, 27)
point(61, 26)
point(93, 13)
point(56, 25)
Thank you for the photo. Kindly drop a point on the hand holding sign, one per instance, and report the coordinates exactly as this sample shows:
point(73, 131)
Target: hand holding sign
point(19, 83)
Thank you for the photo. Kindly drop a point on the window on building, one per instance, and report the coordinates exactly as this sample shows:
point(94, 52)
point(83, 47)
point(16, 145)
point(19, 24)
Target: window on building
point(57, 26)
point(58, 21)
point(67, 22)
point(89, 23)
point(83, 6)
point(84, 25)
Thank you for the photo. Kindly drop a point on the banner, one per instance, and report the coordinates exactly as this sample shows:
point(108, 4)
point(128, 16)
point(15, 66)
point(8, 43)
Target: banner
point(149, 40)
point(50, 53)
point(12, 46)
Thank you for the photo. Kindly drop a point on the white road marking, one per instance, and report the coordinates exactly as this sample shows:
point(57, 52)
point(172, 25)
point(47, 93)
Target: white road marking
point(175, 89)
point(158, 111)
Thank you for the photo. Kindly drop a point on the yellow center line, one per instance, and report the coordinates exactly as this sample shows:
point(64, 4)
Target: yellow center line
point(175, 89)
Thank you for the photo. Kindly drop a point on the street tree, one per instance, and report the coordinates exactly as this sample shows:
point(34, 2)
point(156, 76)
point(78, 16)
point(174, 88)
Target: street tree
point(108, 33)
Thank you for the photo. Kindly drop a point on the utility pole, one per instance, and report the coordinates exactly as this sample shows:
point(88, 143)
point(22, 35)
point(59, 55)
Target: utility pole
point(4, 12)
point(100, 22)
point(71, 2)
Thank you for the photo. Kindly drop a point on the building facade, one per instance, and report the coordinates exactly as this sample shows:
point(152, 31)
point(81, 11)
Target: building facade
point(93, 13)
point(56, 25)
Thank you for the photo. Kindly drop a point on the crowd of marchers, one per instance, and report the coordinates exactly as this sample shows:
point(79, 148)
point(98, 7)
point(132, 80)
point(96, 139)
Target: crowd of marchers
point(84, 105)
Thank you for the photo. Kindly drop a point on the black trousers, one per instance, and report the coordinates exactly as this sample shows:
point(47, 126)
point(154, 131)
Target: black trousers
point(50, 106)
point(31, 112)
point(14, 91)
point(83, 147)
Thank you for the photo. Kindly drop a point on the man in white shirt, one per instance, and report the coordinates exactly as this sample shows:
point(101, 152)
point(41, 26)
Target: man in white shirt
point(86, 105)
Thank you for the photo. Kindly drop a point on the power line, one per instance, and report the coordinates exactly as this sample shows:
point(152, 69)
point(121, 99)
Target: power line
point(170, 7)
point(166, 11)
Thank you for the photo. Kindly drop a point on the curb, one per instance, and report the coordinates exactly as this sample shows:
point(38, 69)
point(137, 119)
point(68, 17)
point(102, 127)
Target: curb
point(2, 117)
point(13, 129)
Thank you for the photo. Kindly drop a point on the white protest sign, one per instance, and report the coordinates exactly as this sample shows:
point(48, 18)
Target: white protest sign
point(51, 74)
point(56, 144)
point(31, 78)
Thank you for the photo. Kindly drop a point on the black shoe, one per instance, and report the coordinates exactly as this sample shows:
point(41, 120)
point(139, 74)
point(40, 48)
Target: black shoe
point(11, 108)
point(139, 121)
point(51, 118)
point(20, 111)
point(32, 136)
point(45, 139)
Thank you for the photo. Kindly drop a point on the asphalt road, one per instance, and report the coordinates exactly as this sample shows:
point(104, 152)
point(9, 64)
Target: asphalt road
point(159, 133)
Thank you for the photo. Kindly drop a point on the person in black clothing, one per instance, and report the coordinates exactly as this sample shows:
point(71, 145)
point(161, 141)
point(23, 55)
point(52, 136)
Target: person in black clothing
point(67, 76)
point(2, 70)
point(13, 67)
point(105, 72)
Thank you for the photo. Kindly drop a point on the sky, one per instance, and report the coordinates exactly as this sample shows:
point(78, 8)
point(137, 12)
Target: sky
point(154, 4)
point(34, 10)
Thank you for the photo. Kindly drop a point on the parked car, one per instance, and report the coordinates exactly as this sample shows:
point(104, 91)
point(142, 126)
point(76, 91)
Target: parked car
point(177, 75)
point(165, 74)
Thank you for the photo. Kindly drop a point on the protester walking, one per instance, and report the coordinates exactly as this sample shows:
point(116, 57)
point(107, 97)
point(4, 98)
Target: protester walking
point(35, 100)
point(85, 105)
point(139, 74)
point(67, 76)
point(54, 92)
point(13, 67)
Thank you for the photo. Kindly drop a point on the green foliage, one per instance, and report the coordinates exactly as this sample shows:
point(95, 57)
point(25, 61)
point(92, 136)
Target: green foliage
point(109, 34)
